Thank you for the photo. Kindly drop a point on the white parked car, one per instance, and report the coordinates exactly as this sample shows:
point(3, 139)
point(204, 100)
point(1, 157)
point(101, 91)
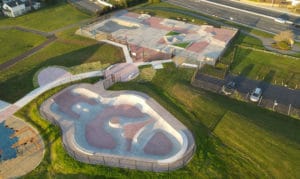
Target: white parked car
point(280, 20)
point(256, 94)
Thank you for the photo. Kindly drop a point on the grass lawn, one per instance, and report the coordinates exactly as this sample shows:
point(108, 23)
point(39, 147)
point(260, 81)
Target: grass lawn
point(69, 50)
point(248, 142)
point(150, 9)
point(172, 33)
point(219, 70)
point(14, 42)
point(268, 67)
point(48, 18)
point(182, 45)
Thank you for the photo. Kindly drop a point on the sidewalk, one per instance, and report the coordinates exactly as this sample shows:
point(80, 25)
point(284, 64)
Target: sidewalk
point(11, 109)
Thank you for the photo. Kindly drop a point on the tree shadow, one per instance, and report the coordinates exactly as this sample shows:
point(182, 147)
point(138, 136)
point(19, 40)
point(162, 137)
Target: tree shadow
point(275, 123)
point(238, 56)
point(19, 85)
point(269, 77)
point(247, 70)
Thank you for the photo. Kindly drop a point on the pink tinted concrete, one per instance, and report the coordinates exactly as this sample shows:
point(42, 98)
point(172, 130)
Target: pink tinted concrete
point(155, 22)
point(95, 132)
point(130, 130)
point(198, 47)
point(125, 110)
point(67, 99)
point(146, 54)
point(51, 74)
point(96, 135)
point(115, 120)
point(221, 34)
point(122, 71)
point(159, 144)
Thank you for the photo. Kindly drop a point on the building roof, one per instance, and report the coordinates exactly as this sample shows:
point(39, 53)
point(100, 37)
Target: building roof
point(14, 3)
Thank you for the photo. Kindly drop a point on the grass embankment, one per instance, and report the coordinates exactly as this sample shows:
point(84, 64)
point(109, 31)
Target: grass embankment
point(248, 141)
point(151, 9)
point(48, 18)
point(264, 66)
point(222, 66)
point(259, 65)
point(68, 50)
point(14, 42)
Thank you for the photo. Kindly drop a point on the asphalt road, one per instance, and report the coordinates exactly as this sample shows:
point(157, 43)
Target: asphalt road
point(237, 16)
point(255, 9)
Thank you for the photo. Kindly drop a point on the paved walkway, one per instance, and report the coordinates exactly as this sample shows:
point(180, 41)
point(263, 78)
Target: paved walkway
point(10, 110)
point(50, 38)
point(267, 43)
point(153, 63)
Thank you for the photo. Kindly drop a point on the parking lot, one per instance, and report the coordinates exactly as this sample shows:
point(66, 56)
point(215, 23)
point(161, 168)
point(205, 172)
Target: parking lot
point(277, 98)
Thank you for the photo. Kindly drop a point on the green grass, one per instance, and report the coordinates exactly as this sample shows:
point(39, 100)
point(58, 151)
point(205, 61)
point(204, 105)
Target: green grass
point(166, 14)
point(247, 142)
point(182, 45)
point(172, 33)
point(48, 18)
point(262, 33)
point(147, 73)
point(268, 67)
point(218, 71)
point(15, 42)
point(69, 50)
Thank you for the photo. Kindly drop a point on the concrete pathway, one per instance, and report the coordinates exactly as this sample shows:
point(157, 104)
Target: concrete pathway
point(11, 109)
point(50, 38)
point(50, 74)
point(267, 43)
point(153, 63)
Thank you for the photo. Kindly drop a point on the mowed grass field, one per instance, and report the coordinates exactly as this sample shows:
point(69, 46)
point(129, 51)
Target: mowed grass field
point(14, 42)
point(234, 139)
point(47, 19)
point(68, 50)
point(268, 67)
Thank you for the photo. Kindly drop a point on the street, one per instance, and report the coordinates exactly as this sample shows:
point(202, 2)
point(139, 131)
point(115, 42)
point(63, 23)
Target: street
point(239, 16)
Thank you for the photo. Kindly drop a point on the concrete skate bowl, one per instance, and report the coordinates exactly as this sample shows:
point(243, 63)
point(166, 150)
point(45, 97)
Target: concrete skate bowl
point(124, 129)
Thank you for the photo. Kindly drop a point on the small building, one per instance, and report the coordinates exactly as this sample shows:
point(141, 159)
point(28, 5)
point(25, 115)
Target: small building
point(16, 8)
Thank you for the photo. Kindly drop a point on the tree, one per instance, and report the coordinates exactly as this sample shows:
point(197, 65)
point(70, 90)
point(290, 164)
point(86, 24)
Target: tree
point(284, 40)
point(286, 36)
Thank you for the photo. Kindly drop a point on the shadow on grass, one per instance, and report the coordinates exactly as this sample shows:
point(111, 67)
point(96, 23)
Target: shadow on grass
point(19, 85)
point(269, 77)
point(247, 70)
point(273, 122)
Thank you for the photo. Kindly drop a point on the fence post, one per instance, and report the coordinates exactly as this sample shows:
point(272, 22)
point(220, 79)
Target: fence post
point(290, 106)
